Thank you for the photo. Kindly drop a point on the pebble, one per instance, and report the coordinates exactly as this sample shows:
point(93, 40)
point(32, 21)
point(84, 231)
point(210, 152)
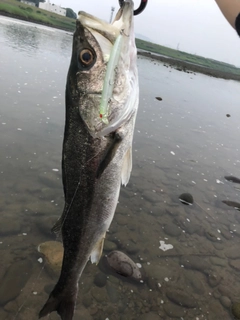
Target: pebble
point(186, 198)
point(211, 235)
point(53, 252)
point(100, 279)
point(181, 298)
point(172, 230)
point(149, 316)
point(50, 179)
point(235, 264)
point(236, 310)
point(151, 196)
point(233, 252)
point(195, 282)
point(123, 265)
point(173, 310)
point(196, 263)
point(45, 225)
point(109, 245)
point(87, 300)
point(218, 261)
point(9, 226)
point(15, 280)
point(214, 279)
point(225, 301)
point(99, 294)
point(113, 293)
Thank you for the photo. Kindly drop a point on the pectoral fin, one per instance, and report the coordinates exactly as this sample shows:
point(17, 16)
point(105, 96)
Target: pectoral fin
point(97, 251)
point(127, 167)
point(110, 153)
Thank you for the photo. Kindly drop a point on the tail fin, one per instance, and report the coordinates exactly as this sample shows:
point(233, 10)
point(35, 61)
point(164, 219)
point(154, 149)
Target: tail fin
point(64, 305)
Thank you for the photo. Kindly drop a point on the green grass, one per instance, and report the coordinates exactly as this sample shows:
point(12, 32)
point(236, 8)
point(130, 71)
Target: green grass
point(26, 12)
point(183, 56)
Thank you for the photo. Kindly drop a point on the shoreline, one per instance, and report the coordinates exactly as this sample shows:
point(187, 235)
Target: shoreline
point(186, 66)
point(16, 16)
point(180, 65)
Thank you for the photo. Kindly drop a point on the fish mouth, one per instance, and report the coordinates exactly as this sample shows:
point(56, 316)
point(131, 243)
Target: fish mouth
point(107, 33)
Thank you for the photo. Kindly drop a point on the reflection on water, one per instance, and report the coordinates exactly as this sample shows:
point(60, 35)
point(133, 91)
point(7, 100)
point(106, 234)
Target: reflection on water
point(184, 144)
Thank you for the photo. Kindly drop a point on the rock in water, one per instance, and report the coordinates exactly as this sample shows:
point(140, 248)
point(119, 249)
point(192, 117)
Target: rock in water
point(15, 280)
point(53, 252)
point(186, 198)
point(123, 265)
point(236, 310)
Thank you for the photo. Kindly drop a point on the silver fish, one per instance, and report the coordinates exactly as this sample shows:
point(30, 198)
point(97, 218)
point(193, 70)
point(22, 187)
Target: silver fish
point(101, 105)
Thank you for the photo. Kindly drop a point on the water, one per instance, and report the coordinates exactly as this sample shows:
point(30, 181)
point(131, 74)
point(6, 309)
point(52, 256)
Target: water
point(184, 143)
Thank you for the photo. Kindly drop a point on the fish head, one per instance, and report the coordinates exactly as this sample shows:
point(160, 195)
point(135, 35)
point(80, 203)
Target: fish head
point(103, 77)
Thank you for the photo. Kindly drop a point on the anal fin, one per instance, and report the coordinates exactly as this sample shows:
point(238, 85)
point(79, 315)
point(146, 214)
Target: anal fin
point(127, 167)
point(97, 251)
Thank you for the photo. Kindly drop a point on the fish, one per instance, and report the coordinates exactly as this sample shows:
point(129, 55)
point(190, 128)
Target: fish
point(102, 96)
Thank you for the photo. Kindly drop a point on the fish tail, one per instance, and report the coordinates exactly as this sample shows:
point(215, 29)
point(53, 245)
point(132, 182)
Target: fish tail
point(63, 304)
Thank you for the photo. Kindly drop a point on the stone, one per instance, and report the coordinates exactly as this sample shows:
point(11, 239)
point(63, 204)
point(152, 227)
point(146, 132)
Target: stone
point(113, 293)
point(233, 252)
point(195, 282)
point(173, 311)
point(109, 245)
point(235, 264)
point(218, 261)
point(53, 252)
point(100, 279)
point(121, 220)
point(15, 280)
point(226, 234)
point(87, 300)
point(236, 310)
point(196, 263)
point(214, 279)
point(45, 225)
point(123, 265)
point(211, 235)
point(132, 248)
point(3, 314)
point(82, 314)
point(181, 298)
point(51, 179)
point(225, 301)
point(9, 226)
point(149, 316)
point(186, 198)
point(151, 196)
point(99, 294)
point(172, 230)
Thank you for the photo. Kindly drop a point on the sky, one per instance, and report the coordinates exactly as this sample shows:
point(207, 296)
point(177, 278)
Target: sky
point(194, 26)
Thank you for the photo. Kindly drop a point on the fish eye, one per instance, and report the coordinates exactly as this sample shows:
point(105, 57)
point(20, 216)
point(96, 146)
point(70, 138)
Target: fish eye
point(86, 57)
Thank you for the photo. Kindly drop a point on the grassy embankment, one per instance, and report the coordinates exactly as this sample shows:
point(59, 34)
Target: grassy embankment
point(189, 61)
point(181, 60)
point(16, 9)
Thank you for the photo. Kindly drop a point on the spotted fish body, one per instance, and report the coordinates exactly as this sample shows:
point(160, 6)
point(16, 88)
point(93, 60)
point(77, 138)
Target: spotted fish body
point(97, 154)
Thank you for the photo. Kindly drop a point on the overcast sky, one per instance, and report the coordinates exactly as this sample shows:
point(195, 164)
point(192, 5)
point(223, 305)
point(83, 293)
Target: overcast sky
point(194, 26)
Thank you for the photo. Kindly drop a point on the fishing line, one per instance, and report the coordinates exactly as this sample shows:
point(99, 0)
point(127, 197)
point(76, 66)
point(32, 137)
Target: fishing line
point(57, 237)
point(27, 298)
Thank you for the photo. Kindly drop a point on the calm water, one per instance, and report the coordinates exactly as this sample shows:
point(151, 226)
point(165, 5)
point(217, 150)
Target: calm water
point(184, 143)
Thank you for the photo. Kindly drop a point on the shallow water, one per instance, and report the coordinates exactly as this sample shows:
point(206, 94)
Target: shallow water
point(184, 143)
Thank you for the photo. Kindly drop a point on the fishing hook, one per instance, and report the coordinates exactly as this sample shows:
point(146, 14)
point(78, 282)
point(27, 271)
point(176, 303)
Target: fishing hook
point(140, 9)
